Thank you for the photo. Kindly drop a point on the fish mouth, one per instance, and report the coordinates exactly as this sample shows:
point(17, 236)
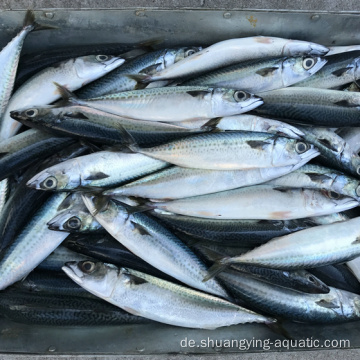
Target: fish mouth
point(16, 115)
point(35, 181)
point(71, 269)
point(310, 154)
point(114, 63)
point(256, 102)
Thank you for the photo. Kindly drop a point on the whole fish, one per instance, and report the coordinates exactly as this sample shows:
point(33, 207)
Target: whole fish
point(73, 216)
point(334, 151)
point(97, 170)
point(319, 107)
point(72, 73)
point(60, 310)
point(157, 299)
point(95, 125)
point(309, 248)
point(229, 151)
point(119, 80)
point(59, 257)
point(153, 243)
point(32, 245)
point(231, 232)
point(335, 307)
point(9, 59)
point(340, 69)
point(233, 51)
point(161, 104)
point(312, 176)
point(261, 75)
point(338, 276)
point(263, 202)
point(177, 182)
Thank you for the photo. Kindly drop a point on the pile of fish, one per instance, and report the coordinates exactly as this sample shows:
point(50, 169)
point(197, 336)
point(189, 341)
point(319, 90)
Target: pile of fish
point(197, 187)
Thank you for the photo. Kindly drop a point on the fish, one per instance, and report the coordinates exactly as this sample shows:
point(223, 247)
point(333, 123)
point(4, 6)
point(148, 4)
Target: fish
point(312, 106)
point(136, 293)
point(259, 202)
point(318, 246)
point(160, 104)
point(312, 176)
point(82, 122)
point(231, 150)
point(72, 73)
point(337, 306)
point(98, 170)
point(177, 182)
point(34, 243)
point(228, 52)
point(153, 243)
point(73, 216)
point(61, 310)
point(340, 69)
point(230, 232)
point(119, 80)
point(9, 59)
point(256, 76)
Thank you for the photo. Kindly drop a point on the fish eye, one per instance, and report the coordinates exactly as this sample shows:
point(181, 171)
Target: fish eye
point(311, 279)
point(308, 63)
point(189, 52)
point(240, 95)
point(31, 112)
point(102, 58)
point(334, 195)
point(73, 223)
point(301, 147)
point(49, 183)
point(358, 170)
point(357, 191)
point(87, 267)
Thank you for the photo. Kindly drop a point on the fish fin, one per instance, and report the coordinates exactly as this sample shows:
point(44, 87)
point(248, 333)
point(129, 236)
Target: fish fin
point(210, 254)
point(345, 103)
point(92, 147)
point(278, 328)
point(356, 241)
point(327, 144)
point(217, 268)
point(150, 69)
point(139, 78)
point(198, 93)
point(76, 115)
point(29, 21)
point(97, 176)
point(257, 144)
point(99, 202)
point(131, 54)
point(211, 125)
point(141, 229)
point(67, 202)
point(128, 140)
point(281, 189)
point(267, 71)
point(131, 209)
point(136, 280)
point(340, 72)
point(328, 304)
point(67, 95)
point(318, 177)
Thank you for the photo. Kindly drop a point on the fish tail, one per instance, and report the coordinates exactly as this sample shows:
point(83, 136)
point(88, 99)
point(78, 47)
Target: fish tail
point(67, 96)
point(217, 268)
point(278, 328)
point(32, 25)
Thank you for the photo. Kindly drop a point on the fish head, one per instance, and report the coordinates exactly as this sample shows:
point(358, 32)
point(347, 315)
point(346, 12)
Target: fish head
point(307, 282)
point(91, 67)
point(181, 53)
point(227, 102)
point(63, 176)
point(34, 115)
point(97, 277)
point(338, 201)
point(355, 165)
point(292, 150)
point(300, 48)
point(343, 184)
point(295, 69)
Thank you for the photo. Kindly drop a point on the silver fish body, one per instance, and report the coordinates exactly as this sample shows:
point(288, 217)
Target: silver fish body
point(153, 243)
point(233, 51)
point(159, 300)
point(100, 169)
point(261, 75)
point(231, 151)
point(263, 202)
